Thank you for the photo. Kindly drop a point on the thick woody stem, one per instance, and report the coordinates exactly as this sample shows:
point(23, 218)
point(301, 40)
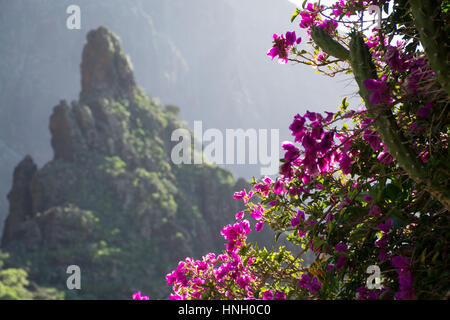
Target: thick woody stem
point(433, 31)
point(363, 69)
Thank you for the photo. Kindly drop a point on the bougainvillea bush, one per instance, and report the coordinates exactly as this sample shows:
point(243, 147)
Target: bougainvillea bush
point(360, 185)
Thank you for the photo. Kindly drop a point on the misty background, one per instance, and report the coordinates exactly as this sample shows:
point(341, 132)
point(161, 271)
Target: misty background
point(206, 57)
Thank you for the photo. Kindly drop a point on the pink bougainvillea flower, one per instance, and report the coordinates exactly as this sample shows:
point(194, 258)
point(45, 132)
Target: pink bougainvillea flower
point(382, 242)
point(257, 213)
point(362, 293)
point(388, 225)
point(423, 157)
point(282, 45)
point(137, 296)
point(300, 218)
point(386, 158)
point(267, 295)
point(273, 52)
point(292, 152)
point(329, 116)
point(321, 57)
point(290, 38)
point(329, 217)
point(239, 215)
point(295, 222)
point(259, 226)
point(286, 170)
point(240, 194)
point(380, 91)
point(395, 60)
point(371, 43)
point(344, 163)
point(328, 26)
point(304, 281)
point(298, 128)
point(279, 295)
point(405, 280)
point(424, 111)
point(280, 49)
point(375, 210)
point(401, 263)
point(307, 20)
point(341, 263)
point(312, 116)
point(279, 187)
point(383, 255)
point(341, 247)
point(373, 139)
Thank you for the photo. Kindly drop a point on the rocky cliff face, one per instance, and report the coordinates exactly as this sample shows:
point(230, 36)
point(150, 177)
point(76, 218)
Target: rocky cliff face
point(8, 160)
point(111, 200)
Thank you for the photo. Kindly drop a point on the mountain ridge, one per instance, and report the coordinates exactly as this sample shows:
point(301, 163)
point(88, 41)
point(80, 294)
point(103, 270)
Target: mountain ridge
point(111, 200)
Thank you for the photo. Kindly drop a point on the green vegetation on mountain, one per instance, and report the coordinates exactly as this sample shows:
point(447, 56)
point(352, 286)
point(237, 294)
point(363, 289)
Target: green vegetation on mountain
point(111, 201)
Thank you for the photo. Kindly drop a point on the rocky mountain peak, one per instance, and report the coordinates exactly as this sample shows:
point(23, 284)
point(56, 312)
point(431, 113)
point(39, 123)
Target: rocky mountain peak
point(19, 198)
point(111, 200)
point(105, 69)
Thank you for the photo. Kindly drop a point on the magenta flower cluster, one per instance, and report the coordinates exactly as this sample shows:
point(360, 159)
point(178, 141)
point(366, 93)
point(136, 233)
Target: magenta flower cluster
point(321, 153)
point(192, 279)
point(405, 278)
point(310, 168)
point(281, 46)
point(273, 295)
point(381, 93)
point(383, 241)
point(311, 284)
point(138, 296)
point(366, 294)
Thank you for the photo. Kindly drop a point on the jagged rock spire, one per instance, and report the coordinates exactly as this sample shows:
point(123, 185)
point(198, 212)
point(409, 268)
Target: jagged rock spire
point(90, 123)
point(105, 68)
point(19, 198)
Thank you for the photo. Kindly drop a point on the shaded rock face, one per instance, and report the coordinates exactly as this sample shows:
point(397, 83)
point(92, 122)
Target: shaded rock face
point(111, 200)
point(20, 198)
point(105, 69)
point(8, 161)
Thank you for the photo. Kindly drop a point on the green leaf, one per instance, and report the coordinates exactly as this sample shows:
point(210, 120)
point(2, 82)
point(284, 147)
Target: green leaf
point(357, 235)
point(398, 219)
point(317, 243)
point(296, 13)
point(304, 4)
point(422, 256)
point(277, 236)
point(280, 257)
point(344, 104)
point(392, 191)
point(243, 251)
point(264, 253)
point(433, 260)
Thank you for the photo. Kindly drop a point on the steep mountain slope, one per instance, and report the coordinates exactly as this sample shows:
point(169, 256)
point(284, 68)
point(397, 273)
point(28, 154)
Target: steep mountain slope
point(111, 201)
point(8, 160)
point(206, 56)
point(39, 63)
